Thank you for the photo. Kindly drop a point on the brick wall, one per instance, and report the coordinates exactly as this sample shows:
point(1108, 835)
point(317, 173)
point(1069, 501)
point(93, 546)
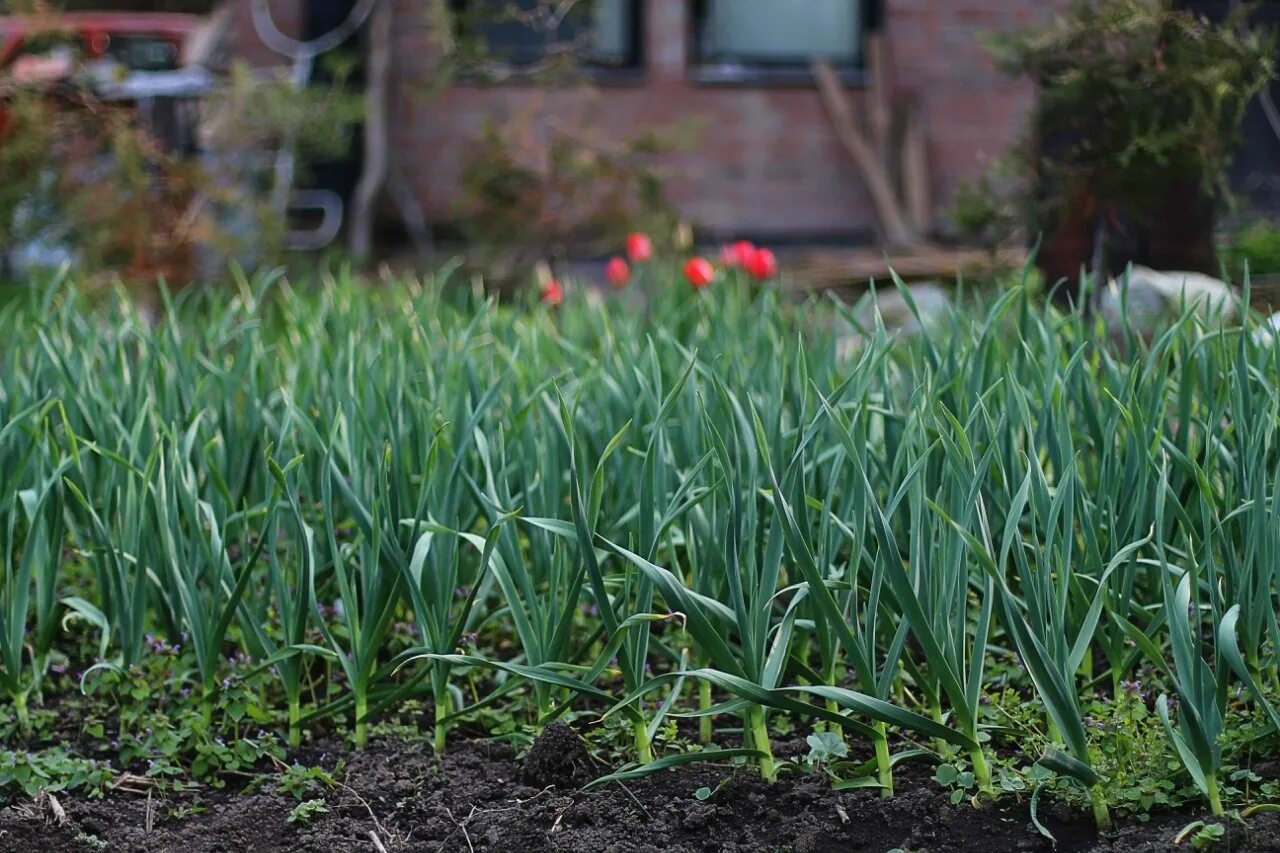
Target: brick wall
point(767, 163)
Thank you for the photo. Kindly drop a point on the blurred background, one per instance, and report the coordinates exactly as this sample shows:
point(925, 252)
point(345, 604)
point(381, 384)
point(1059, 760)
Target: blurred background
point(169, 138)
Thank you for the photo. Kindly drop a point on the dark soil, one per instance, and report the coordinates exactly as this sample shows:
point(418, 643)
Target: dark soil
point(480, 797)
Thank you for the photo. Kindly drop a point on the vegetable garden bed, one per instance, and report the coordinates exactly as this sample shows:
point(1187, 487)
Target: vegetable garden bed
point(347, 568)
point(478, 799)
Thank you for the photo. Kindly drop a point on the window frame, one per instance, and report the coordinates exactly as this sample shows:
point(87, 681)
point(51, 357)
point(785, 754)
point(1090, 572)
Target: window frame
point(630, 69)
point(748, 73)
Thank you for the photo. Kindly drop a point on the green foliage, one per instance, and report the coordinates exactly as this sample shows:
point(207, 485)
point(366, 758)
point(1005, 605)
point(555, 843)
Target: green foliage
point(252, 111)
point(960, 782)
point(52, 770)
point(85, 175)
point(553, 174)
point(526, 194)
point(306, 810)
point(1255, 247)
point(158, 722)
point(1139, 766)
point(91, 841)
point(27, 136)
point(62, 195)
point(284, 511)
point(1203, 835)
point(979, 215)
point(1136, 101)
point(1131, 91)
point(825, 747)
point(298, 781)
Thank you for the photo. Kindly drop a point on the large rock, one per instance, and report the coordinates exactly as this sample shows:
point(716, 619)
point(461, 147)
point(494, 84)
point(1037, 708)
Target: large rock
point(933, 302)
point(1265, 333)
point(1155, 297)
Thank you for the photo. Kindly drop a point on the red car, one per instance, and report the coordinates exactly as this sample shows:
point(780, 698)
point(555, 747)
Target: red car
point(139, 41)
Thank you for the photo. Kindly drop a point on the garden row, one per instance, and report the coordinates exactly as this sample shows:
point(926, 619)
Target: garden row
point(1001, 546)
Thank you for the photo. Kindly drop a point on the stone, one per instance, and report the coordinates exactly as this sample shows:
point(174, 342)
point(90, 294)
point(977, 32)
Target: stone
point(932, 300)
point(1266, 332)
point(1155, 296)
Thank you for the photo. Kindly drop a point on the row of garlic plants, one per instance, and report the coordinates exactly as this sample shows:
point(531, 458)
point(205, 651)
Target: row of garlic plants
point(688, 503)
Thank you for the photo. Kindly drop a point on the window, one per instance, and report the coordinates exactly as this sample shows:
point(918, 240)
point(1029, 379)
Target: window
point(741, 38)
point(523, 33)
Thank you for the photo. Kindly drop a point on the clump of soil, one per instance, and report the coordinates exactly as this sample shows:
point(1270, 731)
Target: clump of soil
point(558, 758)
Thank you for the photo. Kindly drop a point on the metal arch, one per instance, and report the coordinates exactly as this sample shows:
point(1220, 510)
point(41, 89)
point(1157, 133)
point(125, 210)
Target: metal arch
point(284, 45)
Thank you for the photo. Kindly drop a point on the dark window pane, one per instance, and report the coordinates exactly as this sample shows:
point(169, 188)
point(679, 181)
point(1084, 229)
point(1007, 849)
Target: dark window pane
point(525, 32)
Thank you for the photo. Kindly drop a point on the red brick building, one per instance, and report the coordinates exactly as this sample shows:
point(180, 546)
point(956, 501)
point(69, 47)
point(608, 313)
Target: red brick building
point(768, 162)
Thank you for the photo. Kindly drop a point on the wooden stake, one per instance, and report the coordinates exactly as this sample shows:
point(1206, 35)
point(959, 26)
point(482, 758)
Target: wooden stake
point(880, 107)
point(915, 168)
point(895, 229)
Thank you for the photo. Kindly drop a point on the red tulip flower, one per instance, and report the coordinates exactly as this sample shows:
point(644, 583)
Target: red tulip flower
point(617, 272)
point(739, 254)
point(699, 272)
point(639, 247)
point(552, 293)
point(762, 264)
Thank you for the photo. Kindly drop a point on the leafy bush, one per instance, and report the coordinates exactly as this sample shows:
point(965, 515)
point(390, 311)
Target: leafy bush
point(1132, 91)
point(1139, 105)
point(1257, 247)
point(522, 202)
point(85, 179)
point(550, 175)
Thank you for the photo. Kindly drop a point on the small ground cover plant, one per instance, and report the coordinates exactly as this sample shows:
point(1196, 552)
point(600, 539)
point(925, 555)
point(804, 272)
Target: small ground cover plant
point(686, 524)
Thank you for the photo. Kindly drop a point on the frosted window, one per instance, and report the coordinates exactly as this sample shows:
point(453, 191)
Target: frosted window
point(782, 31)
point(611, 34)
